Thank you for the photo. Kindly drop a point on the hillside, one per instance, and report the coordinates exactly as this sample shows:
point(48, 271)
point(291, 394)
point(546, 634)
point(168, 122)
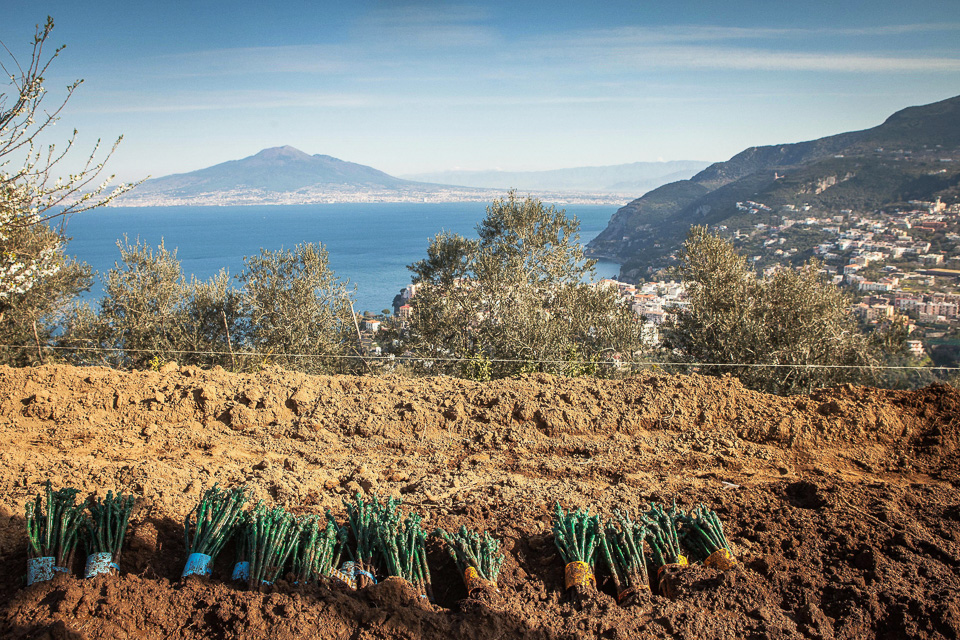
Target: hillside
point(842, 506)
point(913, 155)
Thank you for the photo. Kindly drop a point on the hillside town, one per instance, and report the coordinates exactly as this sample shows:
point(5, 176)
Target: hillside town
point(900, 262)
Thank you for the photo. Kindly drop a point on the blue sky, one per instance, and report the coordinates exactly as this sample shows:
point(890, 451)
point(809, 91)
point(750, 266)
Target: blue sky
point(408, 87)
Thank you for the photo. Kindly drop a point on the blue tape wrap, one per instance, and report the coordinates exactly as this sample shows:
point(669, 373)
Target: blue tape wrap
point(198, 564)
point(361, 572)
point(40, 569)
point(351, 569)
point(241, 571)
point(98, 563)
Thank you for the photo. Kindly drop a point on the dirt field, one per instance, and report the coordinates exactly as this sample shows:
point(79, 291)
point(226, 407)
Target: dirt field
point(843, 506)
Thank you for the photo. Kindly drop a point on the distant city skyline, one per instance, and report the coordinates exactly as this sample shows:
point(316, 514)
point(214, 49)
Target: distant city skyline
point(418, 87)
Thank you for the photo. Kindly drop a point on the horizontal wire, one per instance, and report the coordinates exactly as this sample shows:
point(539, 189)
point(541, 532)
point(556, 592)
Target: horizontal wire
point(420, 358)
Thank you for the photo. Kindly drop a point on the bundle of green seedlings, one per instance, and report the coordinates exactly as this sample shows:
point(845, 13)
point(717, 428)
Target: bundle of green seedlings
point(576, 535)
point(320, 549)
point(402, 544)
point(212, 523)
point(664, 544)
point(363, 518)
point(478, 558)
point(622, 549)
point(702, 533)
point(106, 528)
point(52, 532)
point(270, 536)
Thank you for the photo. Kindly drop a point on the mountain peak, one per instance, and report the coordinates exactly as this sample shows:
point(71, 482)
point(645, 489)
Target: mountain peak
point(274, 170)
point(284, 152)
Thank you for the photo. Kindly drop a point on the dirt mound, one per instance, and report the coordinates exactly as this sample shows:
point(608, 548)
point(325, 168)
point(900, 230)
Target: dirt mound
point(842, 505)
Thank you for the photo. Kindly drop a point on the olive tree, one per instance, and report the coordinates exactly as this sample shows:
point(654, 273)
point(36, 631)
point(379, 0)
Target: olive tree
point(299, 313)
point(141, 316)
point(516, 299)
point(290, 309)
point(789, 332)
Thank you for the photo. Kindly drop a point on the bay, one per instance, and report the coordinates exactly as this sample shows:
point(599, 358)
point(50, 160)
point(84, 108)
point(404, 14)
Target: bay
point(369, 245)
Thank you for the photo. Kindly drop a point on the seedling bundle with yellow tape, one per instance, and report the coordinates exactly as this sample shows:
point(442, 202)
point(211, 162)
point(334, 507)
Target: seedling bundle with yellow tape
point(576, 535)
point(478, 558)
point(702, 533)
point(664, 545)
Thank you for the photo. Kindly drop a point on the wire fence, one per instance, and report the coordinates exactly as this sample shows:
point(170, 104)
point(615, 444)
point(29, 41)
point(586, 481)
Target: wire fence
point(623, 362)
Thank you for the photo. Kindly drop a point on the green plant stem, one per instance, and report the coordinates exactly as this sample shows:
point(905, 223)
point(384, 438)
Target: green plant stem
point(576, 535)
point(107, 525)
point(469, 549)
point(215, 519)
point(53, 530)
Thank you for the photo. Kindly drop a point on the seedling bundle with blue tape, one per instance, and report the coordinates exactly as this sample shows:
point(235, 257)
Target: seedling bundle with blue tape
point(209, 526)
point(56, 522)
point(53, 526)
point(388, 542)
point(106, 528)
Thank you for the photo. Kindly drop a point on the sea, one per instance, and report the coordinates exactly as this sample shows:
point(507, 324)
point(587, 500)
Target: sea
point(369, 245)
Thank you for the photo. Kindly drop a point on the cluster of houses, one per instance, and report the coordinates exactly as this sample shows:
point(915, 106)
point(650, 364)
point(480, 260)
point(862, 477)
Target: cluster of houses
point(887, 256)
point(652, 301)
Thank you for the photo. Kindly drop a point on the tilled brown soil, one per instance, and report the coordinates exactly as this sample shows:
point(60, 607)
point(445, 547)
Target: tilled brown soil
point(842, 506)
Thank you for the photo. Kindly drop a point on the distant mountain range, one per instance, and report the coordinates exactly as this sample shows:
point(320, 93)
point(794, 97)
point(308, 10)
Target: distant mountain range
point(913, 155)
point(272, 174)
point(285, 175)
point(620, 178)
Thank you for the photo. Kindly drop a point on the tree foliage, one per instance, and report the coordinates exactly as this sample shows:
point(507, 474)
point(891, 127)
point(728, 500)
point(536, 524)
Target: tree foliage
point(515, 299)
point(37, 282)
point(290, 310)
point(296, 308)
point(795, 324)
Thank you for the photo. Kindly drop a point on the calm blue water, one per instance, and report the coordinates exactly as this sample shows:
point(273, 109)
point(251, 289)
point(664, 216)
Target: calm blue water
point(369, 245)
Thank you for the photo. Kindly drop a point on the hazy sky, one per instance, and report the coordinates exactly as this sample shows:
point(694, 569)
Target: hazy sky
point(418, 86)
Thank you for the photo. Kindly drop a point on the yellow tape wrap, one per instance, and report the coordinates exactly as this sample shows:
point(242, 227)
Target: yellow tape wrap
point(721, 559)
point(579, 574)
point(473, 581)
